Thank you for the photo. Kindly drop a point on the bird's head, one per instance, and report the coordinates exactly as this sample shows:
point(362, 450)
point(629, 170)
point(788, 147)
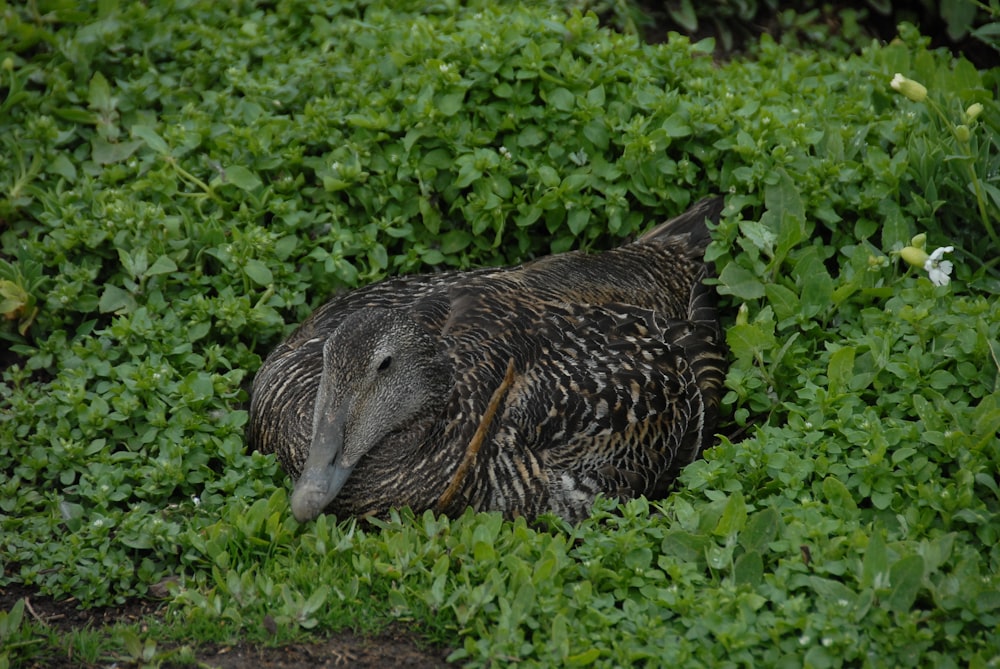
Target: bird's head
point(382, 370)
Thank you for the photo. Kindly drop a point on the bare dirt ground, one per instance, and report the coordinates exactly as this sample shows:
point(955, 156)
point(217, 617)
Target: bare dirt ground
point(394, 647)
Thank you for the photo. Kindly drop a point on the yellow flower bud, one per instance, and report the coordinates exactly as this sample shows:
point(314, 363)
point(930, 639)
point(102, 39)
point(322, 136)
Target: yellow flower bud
point(962, 133)
point(8, 64)
point(742, 315)
point(914, 256)
point(919, 241)
point(972, 112)
point(908, 87)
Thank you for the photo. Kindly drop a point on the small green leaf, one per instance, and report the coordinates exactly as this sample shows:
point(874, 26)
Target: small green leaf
point(839, 497)
point(242, 178)
point(62, 166)
point(104, 152)
point(817, 291)
point(749, 569)
point(531, 136)
point(152, 140)
point(450, 104)
point(783, 300)
point(746, 341)
point(99, 93)
point(760, 530)
point(905, 578)
point(316, 599)
point(115, 299)
point(162, 265)
point(583, 659)
point(740, 282)
point(677, 126)
point(875, 564)
point(759, 234)
point(839, 369)
point(734, 516)
point(685, 546)
point(258, 272)
point(561, 99)
point(454, 241)
point(577, 220)
point(833, 591)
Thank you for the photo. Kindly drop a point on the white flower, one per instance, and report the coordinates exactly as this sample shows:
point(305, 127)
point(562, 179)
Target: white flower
point(937, 269)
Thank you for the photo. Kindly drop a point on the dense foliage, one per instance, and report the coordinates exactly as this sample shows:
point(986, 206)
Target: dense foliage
point(182, 181)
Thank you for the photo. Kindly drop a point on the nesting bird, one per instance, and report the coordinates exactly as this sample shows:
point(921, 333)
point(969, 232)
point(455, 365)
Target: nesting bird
point(525, 389)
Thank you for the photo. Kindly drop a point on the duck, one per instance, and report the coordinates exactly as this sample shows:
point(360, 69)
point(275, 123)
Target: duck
point(526, 389)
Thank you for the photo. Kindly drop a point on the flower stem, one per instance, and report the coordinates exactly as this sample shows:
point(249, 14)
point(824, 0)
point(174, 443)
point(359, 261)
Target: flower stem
point(966, 149)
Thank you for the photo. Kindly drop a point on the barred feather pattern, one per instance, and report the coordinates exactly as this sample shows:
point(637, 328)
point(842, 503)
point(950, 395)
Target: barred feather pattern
point(618, 365)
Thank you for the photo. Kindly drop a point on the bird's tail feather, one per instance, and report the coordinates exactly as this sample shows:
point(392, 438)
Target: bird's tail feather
point(691, 224)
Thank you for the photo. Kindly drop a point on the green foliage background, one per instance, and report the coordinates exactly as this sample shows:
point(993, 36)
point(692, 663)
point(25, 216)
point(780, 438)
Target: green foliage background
point(183, 181)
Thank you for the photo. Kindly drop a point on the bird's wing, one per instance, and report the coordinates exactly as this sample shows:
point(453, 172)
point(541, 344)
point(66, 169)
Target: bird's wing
point(604, 398)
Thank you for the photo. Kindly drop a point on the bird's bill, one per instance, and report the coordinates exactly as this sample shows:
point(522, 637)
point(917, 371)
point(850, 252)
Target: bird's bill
point(324, 473)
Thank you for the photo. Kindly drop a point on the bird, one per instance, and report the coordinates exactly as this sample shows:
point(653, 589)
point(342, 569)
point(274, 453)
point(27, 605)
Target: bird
point(526, 389)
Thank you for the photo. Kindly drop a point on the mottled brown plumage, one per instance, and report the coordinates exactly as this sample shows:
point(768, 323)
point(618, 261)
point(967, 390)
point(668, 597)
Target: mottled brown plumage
point(523, 389)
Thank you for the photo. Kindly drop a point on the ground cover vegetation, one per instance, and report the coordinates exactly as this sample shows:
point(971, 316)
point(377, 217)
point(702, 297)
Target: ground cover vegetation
point(182, 181)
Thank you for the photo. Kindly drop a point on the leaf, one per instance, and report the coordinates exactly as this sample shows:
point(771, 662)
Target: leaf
point(785, 214)
point(561, 99)
point(833, 591)
point(531, 135)
point(450, 104)
point(740, 282)
point(596, 96)
point(839, 369)
point(817, 291)
point(783, 300)
point(316, 599)
point(759, 234)
point(685, 546)
point(162, 265)
point(896, 227)
point(906, 578)
point(583, 659)
point(134, 263)
point(242, 178)
point(684, 15)
point(10, 621)
point(839, 497)
point(104, 152)
point(760, 530)
point(454, 241)
point(749, 569)
point(152, 140)
point(875, 564)
point(677, 126)
point(734, 516)
point(115, 299)
point(99, 94)
point(62, 166)
point(258, 272)
point(746, 341)
point(577, 220)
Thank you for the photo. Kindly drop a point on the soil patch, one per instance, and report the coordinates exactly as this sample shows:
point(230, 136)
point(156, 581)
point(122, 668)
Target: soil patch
point(393, 647)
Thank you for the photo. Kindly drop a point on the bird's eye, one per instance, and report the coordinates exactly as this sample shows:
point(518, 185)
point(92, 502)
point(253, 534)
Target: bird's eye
point(384, 365)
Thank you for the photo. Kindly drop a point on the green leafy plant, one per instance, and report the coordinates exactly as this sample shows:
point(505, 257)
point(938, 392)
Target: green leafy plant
point(184, 182)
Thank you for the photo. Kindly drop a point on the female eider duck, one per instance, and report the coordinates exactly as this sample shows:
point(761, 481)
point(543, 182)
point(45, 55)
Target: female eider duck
point(524, 390)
